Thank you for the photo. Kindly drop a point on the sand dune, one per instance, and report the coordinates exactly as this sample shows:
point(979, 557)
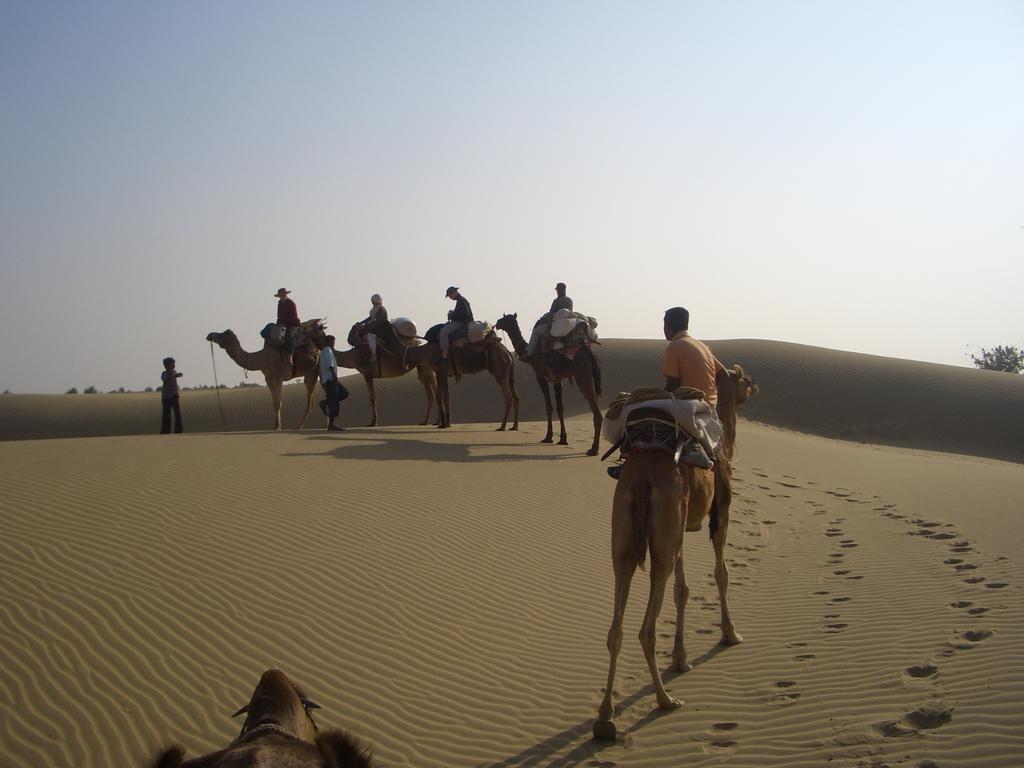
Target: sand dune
point(449, 601)
point(818, 391)
point(446, 595)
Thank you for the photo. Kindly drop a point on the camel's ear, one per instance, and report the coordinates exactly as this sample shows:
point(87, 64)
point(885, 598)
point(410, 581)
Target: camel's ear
point(515, 314)
point(171, 757)
point(342, 750)
point(242, 711)
point(308, 704)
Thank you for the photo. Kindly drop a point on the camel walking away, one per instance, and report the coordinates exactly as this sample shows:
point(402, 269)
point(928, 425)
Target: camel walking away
point(272, 362)
point(552, 368)
point(390, 363)
point(655, 501)
point(493, 357)
point(279, 730)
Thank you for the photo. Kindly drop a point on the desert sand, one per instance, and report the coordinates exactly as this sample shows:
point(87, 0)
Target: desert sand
point(446, 595)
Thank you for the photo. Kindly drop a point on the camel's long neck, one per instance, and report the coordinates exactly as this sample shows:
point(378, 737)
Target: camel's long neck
point(727, 415)
point(516, 336)
point(250, 361)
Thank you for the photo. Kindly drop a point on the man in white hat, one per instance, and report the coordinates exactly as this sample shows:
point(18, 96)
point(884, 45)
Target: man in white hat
point(288, 316)
point(378, 314)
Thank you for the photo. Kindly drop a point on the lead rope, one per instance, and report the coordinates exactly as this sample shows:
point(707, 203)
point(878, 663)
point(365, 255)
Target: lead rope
point(216, 384)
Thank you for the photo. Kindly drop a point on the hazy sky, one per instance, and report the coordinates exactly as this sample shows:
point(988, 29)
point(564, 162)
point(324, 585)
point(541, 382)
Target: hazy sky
point(843, 174)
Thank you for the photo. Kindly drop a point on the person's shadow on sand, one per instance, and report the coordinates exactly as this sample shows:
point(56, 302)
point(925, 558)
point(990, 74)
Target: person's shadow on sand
point(403, 449)
point(586, 752)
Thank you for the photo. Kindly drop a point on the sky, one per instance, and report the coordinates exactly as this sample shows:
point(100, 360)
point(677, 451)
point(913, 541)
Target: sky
point(845, 175)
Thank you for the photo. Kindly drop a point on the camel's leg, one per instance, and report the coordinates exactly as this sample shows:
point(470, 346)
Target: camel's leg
point(563, 438)
point(443, 403)
point(587, 389)
point(429, 383)
point(648, 631)
point(546, 389)
point(311, 381)
point(625, 567)
point(372, 394)
point(506, 392)
point(275, 399)
point(682, 594)
point(515, 395)
point(723, 500)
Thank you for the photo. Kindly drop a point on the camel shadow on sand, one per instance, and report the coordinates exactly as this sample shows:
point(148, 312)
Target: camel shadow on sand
point(372, 446)
point(589, 750)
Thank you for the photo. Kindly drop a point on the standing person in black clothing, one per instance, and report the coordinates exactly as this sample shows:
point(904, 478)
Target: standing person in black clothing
point(169, 398)
point(458, 318)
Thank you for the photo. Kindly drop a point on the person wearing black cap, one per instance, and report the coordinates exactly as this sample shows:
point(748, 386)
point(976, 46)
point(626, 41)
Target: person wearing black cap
point(543, 325)
point(458, 318)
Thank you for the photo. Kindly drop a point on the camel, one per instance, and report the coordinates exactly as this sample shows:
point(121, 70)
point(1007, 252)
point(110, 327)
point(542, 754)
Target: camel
point(655, 501)
point(584, 368)
point(273, 363)
point(279, 730)
point(464, 359)
point(390, 364)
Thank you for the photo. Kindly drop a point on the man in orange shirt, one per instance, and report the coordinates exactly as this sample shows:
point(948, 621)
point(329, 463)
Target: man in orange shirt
point(688, 361)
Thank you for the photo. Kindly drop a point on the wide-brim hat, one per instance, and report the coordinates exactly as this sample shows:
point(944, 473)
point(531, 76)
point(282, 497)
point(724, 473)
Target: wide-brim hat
point(450, 289)
point(280, 291)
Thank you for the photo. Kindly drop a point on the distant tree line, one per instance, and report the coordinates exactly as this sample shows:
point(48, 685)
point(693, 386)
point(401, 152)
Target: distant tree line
point(123, 391)
point(1008, 359)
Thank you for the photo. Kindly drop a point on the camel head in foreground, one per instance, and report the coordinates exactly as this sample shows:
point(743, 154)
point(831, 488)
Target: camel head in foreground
point(278, 732)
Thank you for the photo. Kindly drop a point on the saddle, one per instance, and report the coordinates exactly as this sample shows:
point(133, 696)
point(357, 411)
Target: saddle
point(477, 334)
point(682, 424)
point(273, 334)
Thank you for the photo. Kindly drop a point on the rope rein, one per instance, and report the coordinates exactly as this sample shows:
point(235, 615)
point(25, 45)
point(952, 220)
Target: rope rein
point(216, 384)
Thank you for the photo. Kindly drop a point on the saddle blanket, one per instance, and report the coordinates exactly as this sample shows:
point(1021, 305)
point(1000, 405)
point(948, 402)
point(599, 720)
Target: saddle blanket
point(695, 417)
point(564, 322)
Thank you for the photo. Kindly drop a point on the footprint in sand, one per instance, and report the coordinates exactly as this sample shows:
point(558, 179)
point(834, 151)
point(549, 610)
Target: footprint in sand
point(840, 572)
point(835, 600)
point(835, 628)
point(921, 671)
point(804, 657)
point(966, 567)
point(996, 585)
point(833, 532)
point(974, 580)
point(952, 561)
point(785, 696)
point(925, 718)
point(976, 635)
point(961, 604)
point(978, 611)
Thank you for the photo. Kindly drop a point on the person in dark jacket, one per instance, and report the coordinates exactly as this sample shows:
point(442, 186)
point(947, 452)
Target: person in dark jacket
point(288, 316)
point(169, 398)
point(458, 318)
point(543, 325)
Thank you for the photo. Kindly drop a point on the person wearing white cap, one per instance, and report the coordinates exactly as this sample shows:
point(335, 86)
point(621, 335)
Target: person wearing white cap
point(378, 314)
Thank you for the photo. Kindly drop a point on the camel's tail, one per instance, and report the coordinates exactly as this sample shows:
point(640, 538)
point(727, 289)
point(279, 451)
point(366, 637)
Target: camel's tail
point(595, 368)
point(641, 515)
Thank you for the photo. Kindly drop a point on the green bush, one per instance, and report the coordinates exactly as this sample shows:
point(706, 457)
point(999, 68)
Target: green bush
point(1008, 359)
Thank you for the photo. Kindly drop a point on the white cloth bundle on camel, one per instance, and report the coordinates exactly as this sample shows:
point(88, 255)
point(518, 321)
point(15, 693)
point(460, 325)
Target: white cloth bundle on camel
point(695, 417)
point(564, 322)
point(404, 327)
point(478, 330)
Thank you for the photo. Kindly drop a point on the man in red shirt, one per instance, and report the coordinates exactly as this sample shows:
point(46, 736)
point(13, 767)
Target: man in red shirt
point(288, 316)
